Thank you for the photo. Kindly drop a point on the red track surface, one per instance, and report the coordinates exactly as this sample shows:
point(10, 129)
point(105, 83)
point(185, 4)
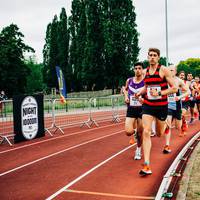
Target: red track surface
point(39, 168)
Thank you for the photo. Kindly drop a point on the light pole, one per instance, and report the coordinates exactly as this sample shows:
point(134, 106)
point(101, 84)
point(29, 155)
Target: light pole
point(166, 25)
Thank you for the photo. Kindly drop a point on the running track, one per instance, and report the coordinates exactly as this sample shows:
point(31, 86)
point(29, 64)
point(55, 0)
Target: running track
point(86, 164)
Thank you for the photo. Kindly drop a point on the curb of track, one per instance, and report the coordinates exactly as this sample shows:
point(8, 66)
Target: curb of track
point(167, 178)
point(184, 183)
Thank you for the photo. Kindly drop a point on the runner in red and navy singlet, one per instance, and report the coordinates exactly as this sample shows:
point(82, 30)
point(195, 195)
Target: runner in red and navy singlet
point(154, 103)
point(155, 106)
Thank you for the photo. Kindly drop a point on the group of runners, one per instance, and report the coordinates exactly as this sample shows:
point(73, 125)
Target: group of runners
point(155, 96)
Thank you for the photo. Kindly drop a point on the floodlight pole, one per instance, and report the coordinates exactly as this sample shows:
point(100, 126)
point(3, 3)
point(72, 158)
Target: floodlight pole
point(166, 25)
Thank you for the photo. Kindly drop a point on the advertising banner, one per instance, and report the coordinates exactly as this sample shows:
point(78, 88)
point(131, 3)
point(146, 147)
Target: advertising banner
point(28, 117)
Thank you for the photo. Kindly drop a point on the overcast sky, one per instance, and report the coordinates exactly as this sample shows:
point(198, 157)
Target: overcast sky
point(32, 17)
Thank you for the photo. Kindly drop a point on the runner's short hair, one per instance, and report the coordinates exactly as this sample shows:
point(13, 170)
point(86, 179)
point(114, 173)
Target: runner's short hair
point(154, 50)
point(181, 72)
point(139, 63)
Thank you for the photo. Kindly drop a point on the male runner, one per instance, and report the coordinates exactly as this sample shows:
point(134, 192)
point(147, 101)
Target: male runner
point(185, 105)
point(174, 107)
point(157, 78)
point(134, 107)
point(191, 99)
point(196, 87)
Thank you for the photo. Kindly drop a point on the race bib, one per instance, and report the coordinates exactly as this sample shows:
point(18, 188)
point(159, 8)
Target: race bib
point(171, 97)
point(155, 87)
point(134, 101)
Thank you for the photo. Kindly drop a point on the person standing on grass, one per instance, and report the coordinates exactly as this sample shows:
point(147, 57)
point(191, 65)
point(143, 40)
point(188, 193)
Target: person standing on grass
point(174, 108)
point(134, 107)
point(157, 78)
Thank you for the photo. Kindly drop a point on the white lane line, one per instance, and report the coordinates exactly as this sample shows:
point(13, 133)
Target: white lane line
point(59, 152)
point(62, 136)
point(88, 172)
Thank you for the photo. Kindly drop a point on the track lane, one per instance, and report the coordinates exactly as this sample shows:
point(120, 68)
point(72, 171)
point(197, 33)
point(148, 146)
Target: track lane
point(37, 181)
point(44, 178)
point(120, 177)
point(68, 131)
point(30, 153)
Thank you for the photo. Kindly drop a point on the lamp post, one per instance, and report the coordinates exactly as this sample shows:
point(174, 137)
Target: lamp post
point(166, 26)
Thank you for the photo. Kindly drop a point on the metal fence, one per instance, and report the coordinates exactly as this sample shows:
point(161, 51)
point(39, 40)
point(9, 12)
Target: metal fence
point(75, 112)
point(6, 121)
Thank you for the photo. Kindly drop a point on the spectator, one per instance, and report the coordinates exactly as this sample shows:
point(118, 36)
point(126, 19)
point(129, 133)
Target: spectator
point(2, 98)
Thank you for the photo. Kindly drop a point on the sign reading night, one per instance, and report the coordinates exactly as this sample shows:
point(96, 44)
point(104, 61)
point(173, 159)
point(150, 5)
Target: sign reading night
point(29, 117)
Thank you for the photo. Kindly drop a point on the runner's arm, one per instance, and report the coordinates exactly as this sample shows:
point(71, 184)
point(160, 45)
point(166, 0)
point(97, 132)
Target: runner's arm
point(184, 87)
point(142, 91)
point(126, 99)
point(171, 81)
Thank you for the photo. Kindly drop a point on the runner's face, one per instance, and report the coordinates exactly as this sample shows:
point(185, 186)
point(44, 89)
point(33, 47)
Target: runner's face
point(153, 58)
point(189, 77)
point(197, 79)
point(182, 76)
point(138, 71)
point(173, 71)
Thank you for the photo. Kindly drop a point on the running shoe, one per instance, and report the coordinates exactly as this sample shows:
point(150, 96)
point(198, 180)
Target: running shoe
point(145, 170)
point(191, 120)
point(166, 149)
point(153, 134)
point(195, 115)
point(138, 155)
point(167, 130)
point(131, 141)
point(182, 133)
point(184, 126)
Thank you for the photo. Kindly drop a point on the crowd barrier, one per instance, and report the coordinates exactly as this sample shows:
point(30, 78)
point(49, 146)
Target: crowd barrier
point(75, 112)
point(6, 122)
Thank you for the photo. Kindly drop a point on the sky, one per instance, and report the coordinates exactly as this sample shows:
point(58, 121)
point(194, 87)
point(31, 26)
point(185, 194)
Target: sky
point(33, 16)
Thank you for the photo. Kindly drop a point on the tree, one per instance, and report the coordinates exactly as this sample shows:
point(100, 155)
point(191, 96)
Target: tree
point(46, 54)
point(77, 27)
point(63, 49)
point(14, 71)
point(35, 78)
point(93, 71)
point(121, 40)
point(50, 54)
point(103, 44)
point(191, 65)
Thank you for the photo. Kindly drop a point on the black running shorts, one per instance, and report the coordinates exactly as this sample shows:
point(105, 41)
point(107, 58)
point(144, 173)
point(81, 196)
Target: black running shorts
point(192, 103)
point(159, 112)
point(185, 105)
point(134, 112)
point(177, 114)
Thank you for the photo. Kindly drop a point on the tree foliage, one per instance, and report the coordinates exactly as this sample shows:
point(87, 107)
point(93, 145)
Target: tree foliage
point(191, 65)
point(56, 51)
point(104, 42)
point(14, 71)
point(35, 81)
point(77, 28)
